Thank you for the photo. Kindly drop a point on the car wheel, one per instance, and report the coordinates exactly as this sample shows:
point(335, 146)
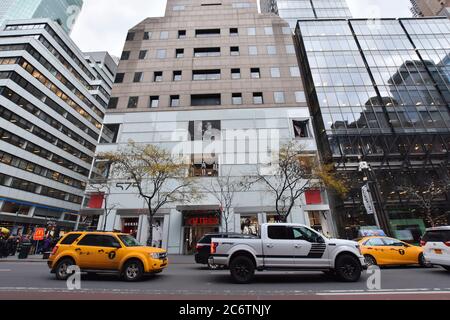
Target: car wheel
point(133, 271)
point(423, 262)
point(61, 268)
point(348, 268)
point(242, 270)
point(370, 260)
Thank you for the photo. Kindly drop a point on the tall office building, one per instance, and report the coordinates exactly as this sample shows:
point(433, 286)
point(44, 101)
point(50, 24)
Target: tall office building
point(292, 10)
point(208, 74)
point(379, 93)
point(64, 12)
point(428, 8)
point(52, 103)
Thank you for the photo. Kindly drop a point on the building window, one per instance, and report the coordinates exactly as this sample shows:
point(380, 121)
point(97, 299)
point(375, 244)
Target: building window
point(253, 50)
point(181, 34)
point(142, 54)
point(113, 102)
point(235, 73)
point(130, 36)
point(178, 8)
point(300, 128)
point(147, 35)
point(137, 77)
point(234, 51)
point(205, 33)
point(206, 74)
point(161, 53)
point(300, 96)
point(251, 31)
point(295, 72)
point(133, 102)
point(255, 73)
point(271, 50)
point(157, 76)
point(258, 98)
point(275, 72)
point(125, 55)
point(164, 35)
point(113, 131)
point(278, 97)
point(177, 76)
point(290, 49)
point(206, 100)
point(268, 31)
point(207, 52)
point(179, 53)
point(154, 102)
point(236, 98)
point(234, 32)
point(119, 77)
point(175, 101)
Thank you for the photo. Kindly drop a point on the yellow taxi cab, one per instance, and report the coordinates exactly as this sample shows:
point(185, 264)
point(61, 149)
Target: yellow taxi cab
point(105, 252)
point(385, 251)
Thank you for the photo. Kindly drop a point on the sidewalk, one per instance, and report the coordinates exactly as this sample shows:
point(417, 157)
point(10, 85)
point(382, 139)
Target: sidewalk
point(174, 259)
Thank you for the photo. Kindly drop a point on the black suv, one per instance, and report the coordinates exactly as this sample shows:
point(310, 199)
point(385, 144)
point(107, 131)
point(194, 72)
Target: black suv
point(203, 248)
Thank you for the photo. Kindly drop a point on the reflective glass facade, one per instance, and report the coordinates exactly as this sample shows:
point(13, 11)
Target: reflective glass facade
point(62, 11)
point(380, 92)
point(292, 10)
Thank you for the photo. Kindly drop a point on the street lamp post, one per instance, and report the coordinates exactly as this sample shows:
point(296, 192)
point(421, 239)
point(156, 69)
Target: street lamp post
point(380, 212)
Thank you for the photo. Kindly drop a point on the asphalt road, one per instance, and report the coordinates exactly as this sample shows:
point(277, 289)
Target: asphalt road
point(27, 280)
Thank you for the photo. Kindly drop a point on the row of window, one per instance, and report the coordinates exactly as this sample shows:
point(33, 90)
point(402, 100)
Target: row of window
point(52, 104)
point(41, 171)
point(17, 141)
point(35, 188)
point(211, 74)
point(44, 135)
point(203, 33)
point(207, 100)
point(26, 105)
point(208, 52)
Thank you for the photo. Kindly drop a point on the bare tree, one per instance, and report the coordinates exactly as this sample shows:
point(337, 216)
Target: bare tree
point(293, 175)
point(224, 190)
point(426, 195)
point(159, 177)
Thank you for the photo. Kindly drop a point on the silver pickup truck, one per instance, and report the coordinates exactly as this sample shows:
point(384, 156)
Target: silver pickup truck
point(288, 247)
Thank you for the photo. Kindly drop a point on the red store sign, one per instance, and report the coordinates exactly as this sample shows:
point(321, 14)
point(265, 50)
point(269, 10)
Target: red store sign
point(202, 221)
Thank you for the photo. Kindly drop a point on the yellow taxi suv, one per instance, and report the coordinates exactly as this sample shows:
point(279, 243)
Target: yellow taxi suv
point(385, 251)
point(105, 252)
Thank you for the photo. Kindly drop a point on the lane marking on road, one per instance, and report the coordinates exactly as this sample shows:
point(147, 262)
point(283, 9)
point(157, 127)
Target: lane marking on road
point(5, 270)
point(381, 293)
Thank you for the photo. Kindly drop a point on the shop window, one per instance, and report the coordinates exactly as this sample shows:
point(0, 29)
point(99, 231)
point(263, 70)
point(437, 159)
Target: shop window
point(250, 225)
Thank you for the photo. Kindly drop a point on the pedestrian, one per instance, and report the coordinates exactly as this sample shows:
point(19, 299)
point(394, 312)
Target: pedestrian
point(3, 247)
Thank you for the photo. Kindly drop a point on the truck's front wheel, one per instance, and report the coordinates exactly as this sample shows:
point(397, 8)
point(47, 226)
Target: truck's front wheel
point(242, 269)
point(348, 268)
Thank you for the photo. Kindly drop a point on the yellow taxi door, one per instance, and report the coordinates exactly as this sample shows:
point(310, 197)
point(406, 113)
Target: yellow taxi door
point(376, 248)
point(395, 251)
point(86, 251)
point(109, 252)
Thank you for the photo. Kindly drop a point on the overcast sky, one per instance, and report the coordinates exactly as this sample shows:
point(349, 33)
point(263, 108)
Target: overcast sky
point(103, 24)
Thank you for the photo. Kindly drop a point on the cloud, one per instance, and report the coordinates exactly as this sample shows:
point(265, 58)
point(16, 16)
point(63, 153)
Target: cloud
point(103, 24)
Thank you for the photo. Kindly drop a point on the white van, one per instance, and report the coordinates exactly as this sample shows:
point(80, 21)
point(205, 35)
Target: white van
point(436, 246)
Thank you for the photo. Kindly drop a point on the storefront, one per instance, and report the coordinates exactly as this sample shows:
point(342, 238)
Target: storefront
point(195, 225)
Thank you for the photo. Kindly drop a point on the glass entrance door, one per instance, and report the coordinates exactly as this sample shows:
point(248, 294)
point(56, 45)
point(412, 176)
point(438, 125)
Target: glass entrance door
point(192, 235)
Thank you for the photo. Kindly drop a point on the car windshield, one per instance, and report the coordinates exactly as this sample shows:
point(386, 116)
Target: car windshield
point(129, 241)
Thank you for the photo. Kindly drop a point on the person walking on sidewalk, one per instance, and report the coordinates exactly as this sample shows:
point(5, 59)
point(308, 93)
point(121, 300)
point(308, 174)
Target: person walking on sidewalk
point(3, 247)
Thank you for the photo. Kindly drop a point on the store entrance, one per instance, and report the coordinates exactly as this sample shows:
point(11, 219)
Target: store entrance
point(196, 225)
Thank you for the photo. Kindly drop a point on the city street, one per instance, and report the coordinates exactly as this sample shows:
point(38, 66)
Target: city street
point(185, 280)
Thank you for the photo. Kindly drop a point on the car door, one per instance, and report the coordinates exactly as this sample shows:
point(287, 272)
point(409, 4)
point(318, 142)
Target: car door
point(109, 252)
point(395, 251)
point(310, 249)
point(278, 247)
point(376, 248)
point(86, 251)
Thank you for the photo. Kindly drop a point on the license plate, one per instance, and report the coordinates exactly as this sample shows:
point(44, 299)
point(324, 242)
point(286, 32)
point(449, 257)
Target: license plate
point(438, 251)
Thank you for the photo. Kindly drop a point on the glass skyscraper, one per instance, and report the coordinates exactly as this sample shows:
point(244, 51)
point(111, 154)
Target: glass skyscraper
point(379, 92)
point(292, 10)
point(63, 11)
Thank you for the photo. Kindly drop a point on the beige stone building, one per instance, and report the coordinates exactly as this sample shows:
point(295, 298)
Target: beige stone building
point(210, 66)
point(429, 8)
